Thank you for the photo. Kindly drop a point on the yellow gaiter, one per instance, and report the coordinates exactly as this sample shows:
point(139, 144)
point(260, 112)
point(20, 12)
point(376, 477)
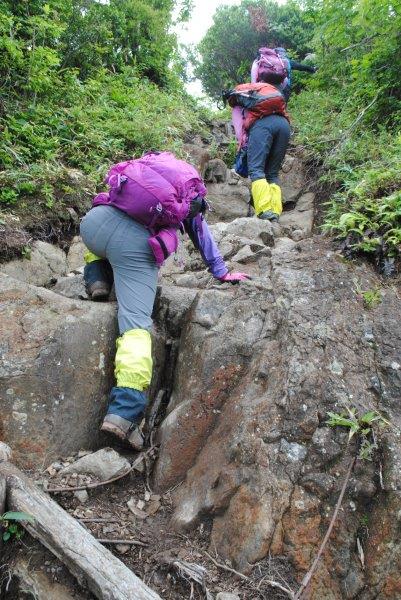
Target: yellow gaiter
point(90, 257)
point(277, 205)
point(133, 365)
point(266, 196)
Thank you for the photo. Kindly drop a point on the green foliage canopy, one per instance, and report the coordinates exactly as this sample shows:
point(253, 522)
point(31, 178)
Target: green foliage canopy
point(359, 48)
point(120, 33)
point(39, 37)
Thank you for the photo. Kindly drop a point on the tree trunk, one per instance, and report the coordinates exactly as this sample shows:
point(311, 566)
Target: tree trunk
point(90, 562)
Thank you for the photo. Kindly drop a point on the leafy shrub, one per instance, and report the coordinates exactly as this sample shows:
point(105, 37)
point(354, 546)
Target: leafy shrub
point(9, 521)
point(86, 128)
point(82, 85)
point(348, 121)
point(8, 196)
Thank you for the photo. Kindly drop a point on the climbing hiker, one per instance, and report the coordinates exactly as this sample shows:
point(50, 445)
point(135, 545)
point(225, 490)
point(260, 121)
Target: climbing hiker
point(129, 232)
point(261, 124)
point(259, 66)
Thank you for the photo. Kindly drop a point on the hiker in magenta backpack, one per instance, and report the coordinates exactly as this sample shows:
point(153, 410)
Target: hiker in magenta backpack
point(129, 232)
point(263, 132)
point(289, 64)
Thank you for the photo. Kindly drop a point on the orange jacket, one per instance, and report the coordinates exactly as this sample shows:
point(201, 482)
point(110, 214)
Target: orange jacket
point(260, 100)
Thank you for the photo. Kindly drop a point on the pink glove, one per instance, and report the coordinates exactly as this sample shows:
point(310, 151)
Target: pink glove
point(234, 277)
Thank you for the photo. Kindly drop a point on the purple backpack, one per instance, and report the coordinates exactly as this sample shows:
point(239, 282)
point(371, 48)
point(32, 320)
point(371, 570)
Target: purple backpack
point(270, 66)
point(155, 190)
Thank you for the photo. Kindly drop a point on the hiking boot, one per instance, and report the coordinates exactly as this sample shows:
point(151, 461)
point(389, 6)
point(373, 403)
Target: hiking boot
point(98, 277)
point(99, 291)
point(269, 215)
point(123, 430)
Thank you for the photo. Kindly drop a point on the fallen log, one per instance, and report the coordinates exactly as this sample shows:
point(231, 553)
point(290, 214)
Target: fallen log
point(92, 564)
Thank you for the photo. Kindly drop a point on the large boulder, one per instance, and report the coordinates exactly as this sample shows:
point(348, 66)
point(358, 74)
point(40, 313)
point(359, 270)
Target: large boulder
point(228, 201)
point(216, 171)
point(41, 264)
point(56, 370)
point(106, 463)
point(171, 307)
point(299, 219)
point(242, 241)
point(259, 367)
point(246, 228)
point(197, 154)
point(72, 286)
point(221, 132)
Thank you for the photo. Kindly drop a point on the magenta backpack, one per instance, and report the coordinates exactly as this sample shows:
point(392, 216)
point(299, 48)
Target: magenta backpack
point(270, 66)
point(155, 190)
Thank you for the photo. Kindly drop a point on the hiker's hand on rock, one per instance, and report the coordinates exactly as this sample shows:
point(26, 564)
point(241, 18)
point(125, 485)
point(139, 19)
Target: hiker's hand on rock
point(234, 277)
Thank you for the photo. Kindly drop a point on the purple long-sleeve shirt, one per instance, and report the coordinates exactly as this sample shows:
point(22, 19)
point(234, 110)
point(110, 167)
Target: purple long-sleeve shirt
point(202, 239)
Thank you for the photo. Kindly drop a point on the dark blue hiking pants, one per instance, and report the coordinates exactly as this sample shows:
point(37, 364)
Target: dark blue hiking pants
point(267, 145)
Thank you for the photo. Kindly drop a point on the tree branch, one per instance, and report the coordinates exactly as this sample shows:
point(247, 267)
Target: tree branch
point(309, 574)
point(271, 583)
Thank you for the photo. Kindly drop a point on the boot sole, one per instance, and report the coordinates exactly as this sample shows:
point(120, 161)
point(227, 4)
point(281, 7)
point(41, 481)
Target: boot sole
point(110, 428)
point(100, 296)
point(121, 435)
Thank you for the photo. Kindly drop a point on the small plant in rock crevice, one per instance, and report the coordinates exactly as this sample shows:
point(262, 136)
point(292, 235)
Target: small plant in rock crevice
point(10, 523)
point(361, 427)
point(371, 298)
point(26, 252)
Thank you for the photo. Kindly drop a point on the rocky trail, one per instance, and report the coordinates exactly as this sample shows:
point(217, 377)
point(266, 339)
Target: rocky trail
point(244, 472)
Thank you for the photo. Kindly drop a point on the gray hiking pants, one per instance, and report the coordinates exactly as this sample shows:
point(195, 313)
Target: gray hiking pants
point(110, 233)
point(267, 144)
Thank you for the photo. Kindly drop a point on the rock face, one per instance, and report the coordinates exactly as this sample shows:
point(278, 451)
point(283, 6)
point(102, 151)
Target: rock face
point(228, 200)
point(44, 263)
point(55, 370)
point(299, 220)
point(216, 171)
point(72, 286)
point(75, 255)
point(56, 367)
point(197, 154)
point(292, 177)
point(251, 372)
point(259, 366)
point(5, 452)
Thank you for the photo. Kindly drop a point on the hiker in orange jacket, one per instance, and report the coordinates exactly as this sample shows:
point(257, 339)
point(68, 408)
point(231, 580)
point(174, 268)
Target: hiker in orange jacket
point(267, 145)
point(266, 134)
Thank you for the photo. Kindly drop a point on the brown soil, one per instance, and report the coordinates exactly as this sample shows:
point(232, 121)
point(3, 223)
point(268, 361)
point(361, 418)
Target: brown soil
point(153, 563)
point(22, 226)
